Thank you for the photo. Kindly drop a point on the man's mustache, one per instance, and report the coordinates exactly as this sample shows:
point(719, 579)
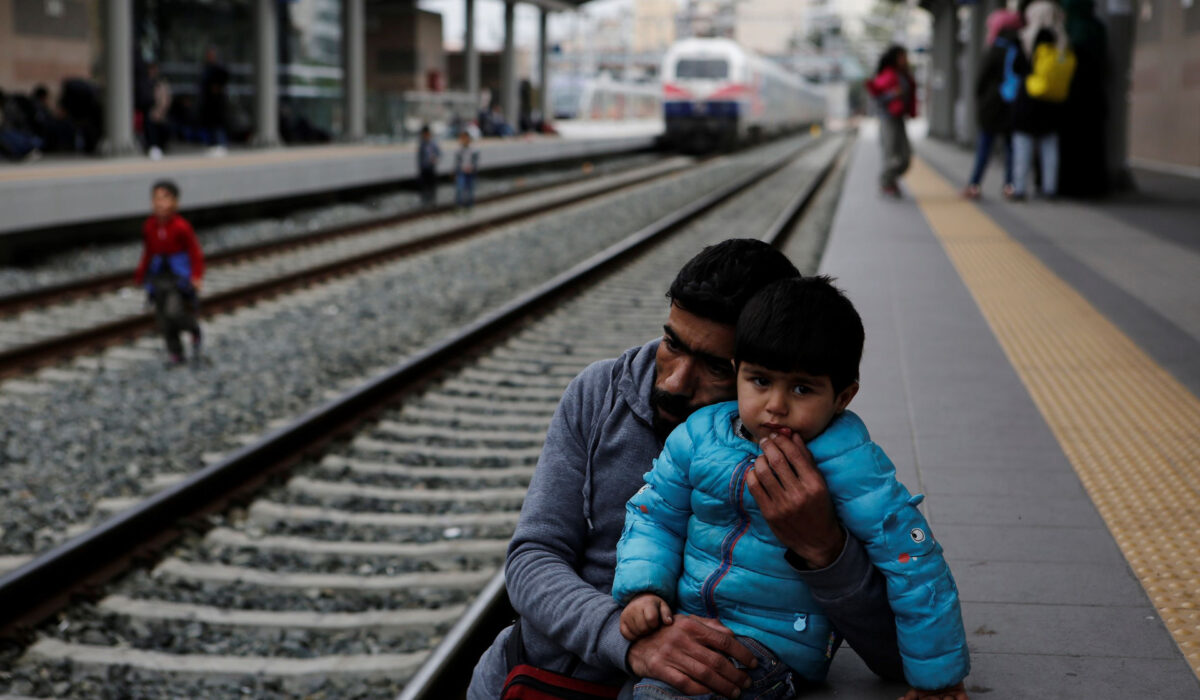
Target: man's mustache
point(677, 405)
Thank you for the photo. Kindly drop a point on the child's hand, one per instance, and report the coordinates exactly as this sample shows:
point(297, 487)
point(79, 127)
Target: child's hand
point(198, 285)
point(955, 692)
point(644, 614)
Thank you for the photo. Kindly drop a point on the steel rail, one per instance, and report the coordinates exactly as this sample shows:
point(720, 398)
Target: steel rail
point(29, 356)
point(43, 585)
point(15, 302)
point(442, 675)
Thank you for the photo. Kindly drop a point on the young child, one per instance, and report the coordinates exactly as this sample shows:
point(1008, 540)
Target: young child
point(466, 163)
point(172, 268)
point(696, 542)
point(428, 155)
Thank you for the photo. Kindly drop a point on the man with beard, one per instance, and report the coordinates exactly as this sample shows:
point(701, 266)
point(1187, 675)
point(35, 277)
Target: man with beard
point(606, 432)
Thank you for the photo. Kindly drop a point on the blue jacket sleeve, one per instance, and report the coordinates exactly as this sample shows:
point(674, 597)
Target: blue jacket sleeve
point(650, 551)
point(877, 509)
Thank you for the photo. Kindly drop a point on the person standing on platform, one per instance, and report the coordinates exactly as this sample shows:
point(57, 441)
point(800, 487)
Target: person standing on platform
point(1037, 115)
point(214, 105)
point(428, 155)
point(155, 125)
point(466, 165)
point(606, 432)
point(996, 89)
point(1083, 162)
point(172, 269)
point(895, 91)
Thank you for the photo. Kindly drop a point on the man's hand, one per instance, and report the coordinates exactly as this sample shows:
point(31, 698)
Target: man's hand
point(692, 655)
point(955, 692)
point(795, 501)
point(644, 614)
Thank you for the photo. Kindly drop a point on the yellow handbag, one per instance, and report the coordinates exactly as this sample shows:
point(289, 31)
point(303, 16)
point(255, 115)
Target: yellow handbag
point(1050, 79)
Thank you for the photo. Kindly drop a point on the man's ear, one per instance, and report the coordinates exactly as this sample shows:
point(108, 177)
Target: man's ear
point(844, 398)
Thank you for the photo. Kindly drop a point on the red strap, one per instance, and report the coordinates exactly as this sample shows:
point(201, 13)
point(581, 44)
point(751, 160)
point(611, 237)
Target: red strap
point(527, 682)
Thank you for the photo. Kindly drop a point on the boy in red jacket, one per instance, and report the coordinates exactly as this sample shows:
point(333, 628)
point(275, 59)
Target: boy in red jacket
point(172, 269)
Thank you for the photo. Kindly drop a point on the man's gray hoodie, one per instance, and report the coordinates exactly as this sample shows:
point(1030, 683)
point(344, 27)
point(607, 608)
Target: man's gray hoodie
point(561, 560)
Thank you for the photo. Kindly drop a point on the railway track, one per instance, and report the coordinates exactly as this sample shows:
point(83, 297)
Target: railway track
point(45, 326)
point(375, 564)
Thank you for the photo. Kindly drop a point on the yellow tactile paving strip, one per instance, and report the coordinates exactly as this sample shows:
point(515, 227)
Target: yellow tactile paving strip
point(1129, 429)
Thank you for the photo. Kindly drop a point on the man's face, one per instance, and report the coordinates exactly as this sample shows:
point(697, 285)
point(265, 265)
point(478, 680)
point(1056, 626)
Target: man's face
point(770, 401)
point(693, 368)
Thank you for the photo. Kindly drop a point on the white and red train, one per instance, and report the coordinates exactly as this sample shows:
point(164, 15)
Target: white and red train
point(717, 94)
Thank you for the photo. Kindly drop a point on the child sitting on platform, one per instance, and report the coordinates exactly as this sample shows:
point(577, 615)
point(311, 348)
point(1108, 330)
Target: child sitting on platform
point(172, 268)
point(697, 542)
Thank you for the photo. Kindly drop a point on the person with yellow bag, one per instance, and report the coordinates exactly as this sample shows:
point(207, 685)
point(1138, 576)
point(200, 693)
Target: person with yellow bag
point(1046, 67)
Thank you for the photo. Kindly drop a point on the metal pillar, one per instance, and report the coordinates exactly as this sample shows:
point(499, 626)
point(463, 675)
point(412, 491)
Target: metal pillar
point(354, 74)
point(508, 71)
point(543, 105)
point(976, 48)
point(1120, 22)
point(471, 57)
point(118, 76)
point(944, 76)
point(266, 73)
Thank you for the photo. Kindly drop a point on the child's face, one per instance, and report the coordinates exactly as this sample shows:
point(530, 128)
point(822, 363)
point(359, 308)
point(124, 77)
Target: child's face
point(163, 203)
point(787, 402)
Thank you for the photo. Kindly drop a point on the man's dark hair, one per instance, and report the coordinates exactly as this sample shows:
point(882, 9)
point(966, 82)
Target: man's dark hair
point(802, 325)
point(40, 92)
point(719, 280)
point(168, 185)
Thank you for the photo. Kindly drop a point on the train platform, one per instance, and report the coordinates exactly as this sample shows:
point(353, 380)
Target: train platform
point(58, 193)
point(1034, 370)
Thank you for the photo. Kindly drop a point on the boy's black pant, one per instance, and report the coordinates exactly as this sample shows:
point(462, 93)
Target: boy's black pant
point(427, 183)
point(175, 311)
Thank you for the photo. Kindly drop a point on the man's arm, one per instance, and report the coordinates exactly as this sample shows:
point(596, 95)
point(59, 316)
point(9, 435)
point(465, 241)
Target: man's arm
point(552, 534)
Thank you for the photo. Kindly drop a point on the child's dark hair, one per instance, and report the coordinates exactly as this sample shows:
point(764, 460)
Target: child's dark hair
point(802, 325)
point(720, 279)
point(168, 185)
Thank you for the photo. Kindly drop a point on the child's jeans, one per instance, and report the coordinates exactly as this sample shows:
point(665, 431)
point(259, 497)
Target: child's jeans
point(175, 308)
point(464, 189)
point(770, 680)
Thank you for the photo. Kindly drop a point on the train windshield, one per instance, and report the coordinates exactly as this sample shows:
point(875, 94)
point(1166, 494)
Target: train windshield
point(704, 68)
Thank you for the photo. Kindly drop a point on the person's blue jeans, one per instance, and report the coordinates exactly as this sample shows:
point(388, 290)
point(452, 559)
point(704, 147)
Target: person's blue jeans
point(770, 680)
point(464, 189)
point(1023, 145)
point(983, 153)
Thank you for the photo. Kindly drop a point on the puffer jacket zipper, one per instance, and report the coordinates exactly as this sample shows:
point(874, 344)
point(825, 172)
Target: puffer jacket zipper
point(737, 484)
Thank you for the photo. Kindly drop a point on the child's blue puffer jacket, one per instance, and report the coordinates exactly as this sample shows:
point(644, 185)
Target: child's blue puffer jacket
point(694, 536)
point(733, 567)
point(879, 511)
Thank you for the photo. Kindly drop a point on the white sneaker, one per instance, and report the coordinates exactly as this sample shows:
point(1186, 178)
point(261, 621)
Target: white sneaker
point(155, 153)
point(217, 152)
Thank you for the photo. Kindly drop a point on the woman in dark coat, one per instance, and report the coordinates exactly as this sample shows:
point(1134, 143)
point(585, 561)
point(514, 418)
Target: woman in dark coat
point(994, 108)
point(1084, 169)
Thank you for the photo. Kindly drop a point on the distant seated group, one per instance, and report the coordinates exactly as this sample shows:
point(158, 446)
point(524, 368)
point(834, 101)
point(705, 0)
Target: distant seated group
point(31, 124)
